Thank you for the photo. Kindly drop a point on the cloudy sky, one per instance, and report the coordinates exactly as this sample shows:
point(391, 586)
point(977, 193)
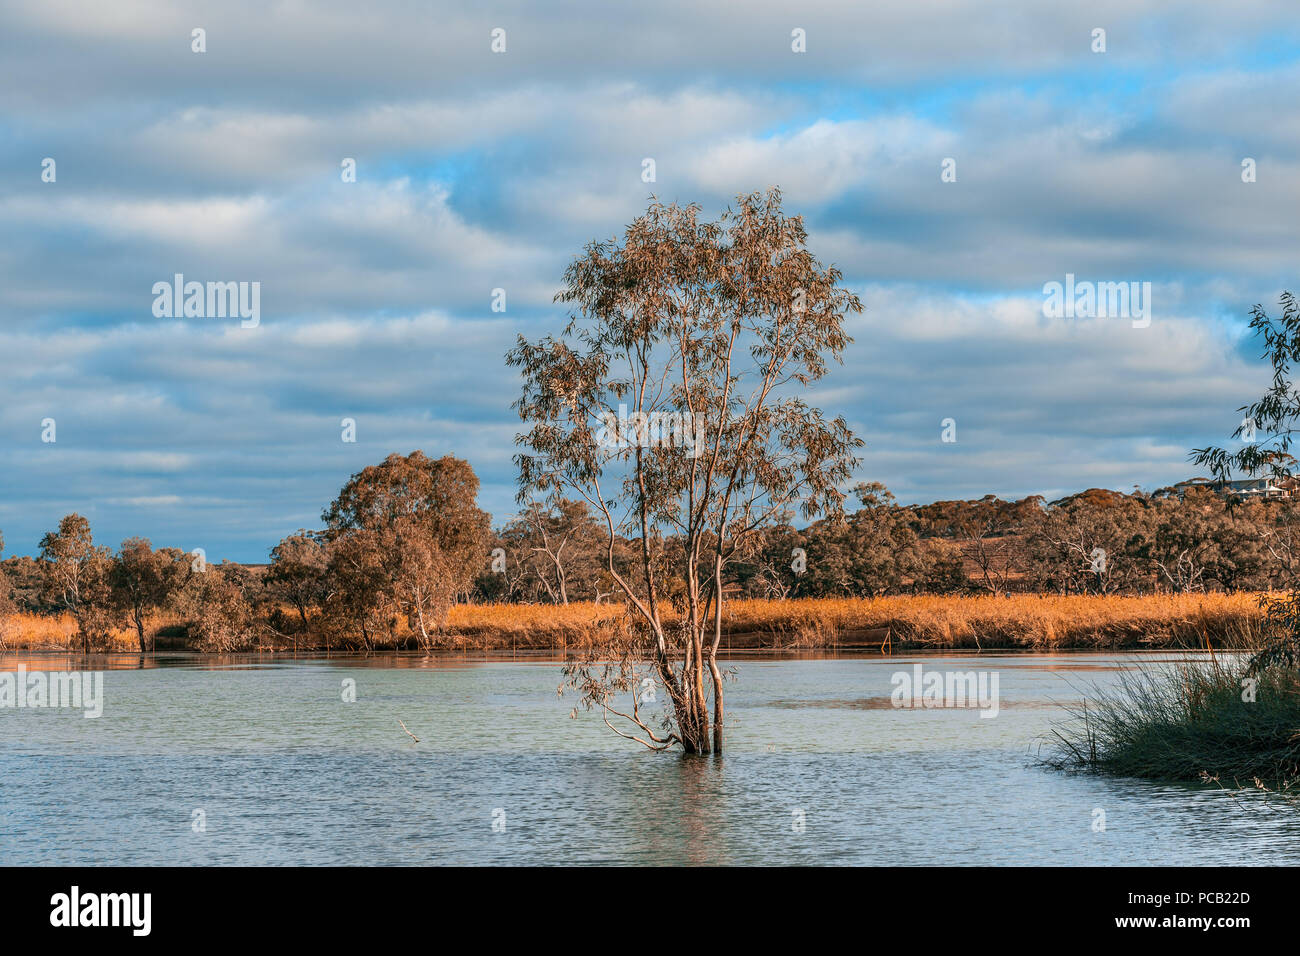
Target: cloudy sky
point(479, 170)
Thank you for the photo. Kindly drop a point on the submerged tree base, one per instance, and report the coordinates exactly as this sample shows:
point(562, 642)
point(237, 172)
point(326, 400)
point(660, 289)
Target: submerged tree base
point(1212, 721)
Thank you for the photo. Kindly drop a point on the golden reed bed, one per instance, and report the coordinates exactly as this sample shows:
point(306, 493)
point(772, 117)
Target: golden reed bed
point(1028, 621)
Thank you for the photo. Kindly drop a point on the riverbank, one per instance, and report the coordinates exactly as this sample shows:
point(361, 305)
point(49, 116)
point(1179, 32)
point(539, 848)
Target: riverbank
point(1022, 621)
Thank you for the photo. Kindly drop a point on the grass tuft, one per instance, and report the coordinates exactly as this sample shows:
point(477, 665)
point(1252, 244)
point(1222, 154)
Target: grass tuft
point(1189, 720)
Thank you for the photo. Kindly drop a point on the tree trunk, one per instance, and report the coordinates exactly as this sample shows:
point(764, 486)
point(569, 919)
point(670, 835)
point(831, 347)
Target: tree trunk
point(692, 709)
point(717, 704)
point(693, 728)
point(425, 641)
point(713, 655)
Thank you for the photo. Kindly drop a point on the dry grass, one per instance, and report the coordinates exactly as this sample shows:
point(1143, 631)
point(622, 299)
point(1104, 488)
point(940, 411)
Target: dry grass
point(1026, 621)
point(57, 632)
point(1023, 620)
point(529, 625)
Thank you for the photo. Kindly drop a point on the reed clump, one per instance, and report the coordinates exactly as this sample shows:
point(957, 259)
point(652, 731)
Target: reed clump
point(1215, 719)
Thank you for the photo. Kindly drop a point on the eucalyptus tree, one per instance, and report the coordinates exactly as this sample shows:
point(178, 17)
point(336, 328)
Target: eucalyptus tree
point(874, 551)
point(674, 402)
point(297, 573)
point(557, 551)
point(76, 573)
point(405, 537)
point(144, 579)
point(1268, 432)
point(1268, 427)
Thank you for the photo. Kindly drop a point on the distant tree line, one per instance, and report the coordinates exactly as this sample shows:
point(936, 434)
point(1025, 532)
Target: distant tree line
point(404, 541)
point(1094, 542)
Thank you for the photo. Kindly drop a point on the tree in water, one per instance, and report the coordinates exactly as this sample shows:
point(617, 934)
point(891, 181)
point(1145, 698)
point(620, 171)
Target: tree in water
point(673, 404)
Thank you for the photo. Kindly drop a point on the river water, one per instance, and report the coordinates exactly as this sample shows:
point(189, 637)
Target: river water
point(246, 760)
